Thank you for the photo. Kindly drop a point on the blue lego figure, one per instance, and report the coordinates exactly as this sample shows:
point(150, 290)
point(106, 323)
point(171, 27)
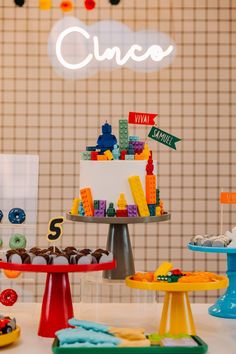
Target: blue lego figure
point(106, 141)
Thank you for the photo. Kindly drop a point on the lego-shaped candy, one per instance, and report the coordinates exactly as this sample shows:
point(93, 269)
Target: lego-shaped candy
point(123, 134)
point(150, 189)
point(81, 209)
point(87, 200)
point(102, 204)
point(139, 156)
point(157, 197)
point(138, 195)
point(163, 269)
point(96, 204)
point(99, 213)
point(150, 166)
point(90, 148)
point(132, 210)
point(134, 138)
point(123, 154)
point(108, 155)
point(122, 213)
point(106, 141)
point(152, 209)
point(131, 149)
point(111, 210)
point(146, 152)
point(75, 206)
point(121, 203)
point(94, 155)
point(86, 155)
point(101, 157)
point(158, 210)
point(116, 152)
point(129, 157)
point(162, 207)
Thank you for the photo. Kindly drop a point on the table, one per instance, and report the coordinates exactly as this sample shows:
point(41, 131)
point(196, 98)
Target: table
point(118, 240)
point(218, 334)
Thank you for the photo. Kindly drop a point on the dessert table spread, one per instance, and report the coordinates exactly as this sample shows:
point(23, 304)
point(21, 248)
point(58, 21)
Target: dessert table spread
point(218, 333)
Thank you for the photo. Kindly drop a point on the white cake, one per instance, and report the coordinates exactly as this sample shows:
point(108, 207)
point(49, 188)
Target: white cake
point(107, 179)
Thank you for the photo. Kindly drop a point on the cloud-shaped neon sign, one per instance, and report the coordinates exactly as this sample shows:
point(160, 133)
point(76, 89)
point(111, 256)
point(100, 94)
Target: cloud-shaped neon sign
point(79, 51)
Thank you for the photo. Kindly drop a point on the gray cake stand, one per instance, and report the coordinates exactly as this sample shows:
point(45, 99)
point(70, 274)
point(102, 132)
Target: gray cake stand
point(118, 240)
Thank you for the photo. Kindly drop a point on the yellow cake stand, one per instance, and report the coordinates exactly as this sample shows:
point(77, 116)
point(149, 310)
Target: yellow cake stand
point(176, 315)
point(9, 338)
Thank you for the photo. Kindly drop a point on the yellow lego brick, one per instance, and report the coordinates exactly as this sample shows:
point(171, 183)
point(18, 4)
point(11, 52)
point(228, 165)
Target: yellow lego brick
point(158, 211)
point(87, 201)
point(163, 269)
point(138, 195)
point(101, 157)
point(121, 203)
point(75, 206)
point(146, 151)
point(108, 154)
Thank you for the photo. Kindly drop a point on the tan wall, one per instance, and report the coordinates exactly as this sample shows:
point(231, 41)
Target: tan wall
point(195, 98)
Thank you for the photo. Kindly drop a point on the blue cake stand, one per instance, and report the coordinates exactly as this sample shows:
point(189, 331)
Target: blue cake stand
point(225, 306)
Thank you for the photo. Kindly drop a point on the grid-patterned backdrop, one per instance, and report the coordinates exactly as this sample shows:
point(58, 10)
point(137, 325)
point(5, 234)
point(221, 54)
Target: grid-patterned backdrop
point(44, 114)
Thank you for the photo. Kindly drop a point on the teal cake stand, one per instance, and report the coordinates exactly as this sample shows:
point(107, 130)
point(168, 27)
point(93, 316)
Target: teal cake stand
point(225, 306)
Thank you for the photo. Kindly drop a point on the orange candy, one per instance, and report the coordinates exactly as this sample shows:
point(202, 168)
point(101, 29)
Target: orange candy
point(11, 273)
point(145, 277)
point(198, 277)
point(66, 6)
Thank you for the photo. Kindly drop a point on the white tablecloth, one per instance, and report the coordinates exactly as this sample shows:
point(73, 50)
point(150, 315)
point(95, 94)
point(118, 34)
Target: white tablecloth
point(219, 334)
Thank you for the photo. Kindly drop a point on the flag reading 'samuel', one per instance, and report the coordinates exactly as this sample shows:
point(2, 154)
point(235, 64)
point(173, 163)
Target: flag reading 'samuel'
point(163, 137)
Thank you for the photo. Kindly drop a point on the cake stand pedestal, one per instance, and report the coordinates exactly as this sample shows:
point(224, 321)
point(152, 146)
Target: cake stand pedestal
point(118, 240)
point(225, 306)
point(57, 306)
point(177, 316)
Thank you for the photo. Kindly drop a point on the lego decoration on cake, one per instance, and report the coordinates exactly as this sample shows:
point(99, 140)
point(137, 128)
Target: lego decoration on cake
point(118, 177)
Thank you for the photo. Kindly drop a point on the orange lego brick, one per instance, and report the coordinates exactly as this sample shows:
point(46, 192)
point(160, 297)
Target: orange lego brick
point(101, 157)
point(87, 201)
point(151, 189)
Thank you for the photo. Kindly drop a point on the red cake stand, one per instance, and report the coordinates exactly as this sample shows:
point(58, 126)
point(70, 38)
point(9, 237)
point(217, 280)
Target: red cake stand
point(57, 305)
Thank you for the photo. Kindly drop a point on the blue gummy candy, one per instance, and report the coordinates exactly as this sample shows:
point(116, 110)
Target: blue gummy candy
point(97, 327)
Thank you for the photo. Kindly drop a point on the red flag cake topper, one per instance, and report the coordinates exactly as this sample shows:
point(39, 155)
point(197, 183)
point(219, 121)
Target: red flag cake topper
point(142, 118)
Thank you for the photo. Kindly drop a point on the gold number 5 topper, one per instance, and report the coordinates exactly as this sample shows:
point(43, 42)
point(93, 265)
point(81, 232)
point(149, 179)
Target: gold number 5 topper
point(55, 228)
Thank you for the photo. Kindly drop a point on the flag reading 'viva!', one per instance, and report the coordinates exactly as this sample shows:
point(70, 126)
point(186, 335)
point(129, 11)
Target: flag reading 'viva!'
point(142, 118)
point(163, 137)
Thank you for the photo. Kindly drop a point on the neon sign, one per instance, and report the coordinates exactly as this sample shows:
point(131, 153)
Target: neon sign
point(78, 51)
point(155, 52)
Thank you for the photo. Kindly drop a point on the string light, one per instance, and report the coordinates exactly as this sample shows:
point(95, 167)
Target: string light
point(114, 2)
point(89, 4)
point(66, 6)
point(19, 3)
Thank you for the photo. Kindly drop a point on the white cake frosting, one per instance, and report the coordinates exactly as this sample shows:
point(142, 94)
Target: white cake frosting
point(107, 179)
